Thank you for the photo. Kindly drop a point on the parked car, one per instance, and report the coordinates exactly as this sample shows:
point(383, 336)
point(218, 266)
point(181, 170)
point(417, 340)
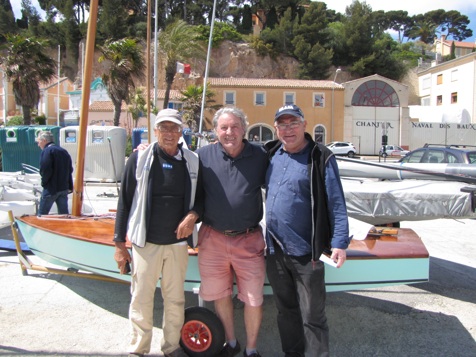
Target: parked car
point(392, 150)
point(342, 148)
point(435, 153)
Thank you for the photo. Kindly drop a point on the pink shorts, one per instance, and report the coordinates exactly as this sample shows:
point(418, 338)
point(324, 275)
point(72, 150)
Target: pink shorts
point(222, 258)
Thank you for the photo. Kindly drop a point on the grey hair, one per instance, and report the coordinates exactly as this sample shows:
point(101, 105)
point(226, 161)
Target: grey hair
point(238, 113)
point(46, 136)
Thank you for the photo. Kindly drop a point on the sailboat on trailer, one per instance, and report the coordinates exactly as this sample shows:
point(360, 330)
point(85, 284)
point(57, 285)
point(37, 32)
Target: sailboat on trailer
point(84, 243)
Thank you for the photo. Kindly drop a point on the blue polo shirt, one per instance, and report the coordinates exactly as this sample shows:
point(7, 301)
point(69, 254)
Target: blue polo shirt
point(233, 196)
point(288, 202)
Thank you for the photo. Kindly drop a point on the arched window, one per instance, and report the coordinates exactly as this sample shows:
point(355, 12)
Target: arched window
point(320, 134)
point(375, 94)
point(260, 133)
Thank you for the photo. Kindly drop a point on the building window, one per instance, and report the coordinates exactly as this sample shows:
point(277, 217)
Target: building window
point(320, 134)
point(454, 97)
point(289, 98)
point(425, 102)
point(439, 79)
point(375, 94)
point(454, 75)
point(176, 106)
point(439, 100)
point(426, 83)
point(260, 98)
point(260, 133)
point(318, 100)
point(230, 98)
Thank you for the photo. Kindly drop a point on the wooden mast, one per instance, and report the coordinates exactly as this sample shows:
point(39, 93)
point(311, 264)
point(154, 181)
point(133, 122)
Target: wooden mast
point(149, 127)
point(84, 111)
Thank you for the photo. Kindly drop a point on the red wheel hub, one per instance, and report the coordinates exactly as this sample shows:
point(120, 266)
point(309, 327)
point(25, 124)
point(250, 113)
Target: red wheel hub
point(196, 336)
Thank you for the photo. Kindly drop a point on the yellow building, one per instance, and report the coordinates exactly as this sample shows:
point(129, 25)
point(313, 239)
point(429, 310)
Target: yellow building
point(322, 103)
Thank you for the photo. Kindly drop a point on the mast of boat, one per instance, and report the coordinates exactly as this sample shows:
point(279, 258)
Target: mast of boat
point(84, 110)
point(205, 79)
point(147, 65)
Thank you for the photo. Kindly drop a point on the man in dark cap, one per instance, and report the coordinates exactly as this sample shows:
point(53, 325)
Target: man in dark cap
point(305, 216)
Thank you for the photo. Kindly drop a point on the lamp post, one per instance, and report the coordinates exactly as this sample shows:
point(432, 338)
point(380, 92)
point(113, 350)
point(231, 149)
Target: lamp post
point(332, 109)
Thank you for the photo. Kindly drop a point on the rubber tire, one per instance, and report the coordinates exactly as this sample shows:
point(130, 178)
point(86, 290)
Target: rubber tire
point(351, 154)
point(202, 333)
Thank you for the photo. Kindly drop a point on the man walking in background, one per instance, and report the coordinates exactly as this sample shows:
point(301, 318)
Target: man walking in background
point(56, 170)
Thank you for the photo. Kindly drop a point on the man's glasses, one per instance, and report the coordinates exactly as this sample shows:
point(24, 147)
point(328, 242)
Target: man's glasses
point(291, 126)
point(169, 129)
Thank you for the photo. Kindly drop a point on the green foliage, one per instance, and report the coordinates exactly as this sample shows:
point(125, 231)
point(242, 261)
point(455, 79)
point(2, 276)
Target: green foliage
point(262, 48)
point(192, 105)
point(221, 32)
point(127, 63)
point(15, 121)
point(128, 145)
point(26, 65)
point(40, 120)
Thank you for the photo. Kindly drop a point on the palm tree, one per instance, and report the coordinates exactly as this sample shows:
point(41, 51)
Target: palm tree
point(126, 65)
point(179, 42)
point(26, 65)
point(138, 105)
point(192, 104)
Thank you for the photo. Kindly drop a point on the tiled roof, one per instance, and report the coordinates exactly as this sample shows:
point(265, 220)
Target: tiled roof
point(270, 83)
point(460, 44)
point(105, 106)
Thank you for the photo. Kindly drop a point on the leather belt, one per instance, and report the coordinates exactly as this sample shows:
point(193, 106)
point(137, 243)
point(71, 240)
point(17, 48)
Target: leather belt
point(237, 233)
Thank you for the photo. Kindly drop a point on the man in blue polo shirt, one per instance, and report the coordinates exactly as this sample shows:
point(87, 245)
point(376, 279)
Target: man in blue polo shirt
point(305, 215)
point(230, 240)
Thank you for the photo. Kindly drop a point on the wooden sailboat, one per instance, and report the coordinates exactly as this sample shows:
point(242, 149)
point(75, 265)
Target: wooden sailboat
point(84, 244)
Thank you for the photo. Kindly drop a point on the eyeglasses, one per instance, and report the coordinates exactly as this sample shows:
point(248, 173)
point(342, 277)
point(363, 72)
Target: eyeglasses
point(291, 126)
point(169, 129)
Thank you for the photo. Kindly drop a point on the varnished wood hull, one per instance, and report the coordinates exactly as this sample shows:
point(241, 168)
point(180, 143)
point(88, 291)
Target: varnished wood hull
point(86, 244)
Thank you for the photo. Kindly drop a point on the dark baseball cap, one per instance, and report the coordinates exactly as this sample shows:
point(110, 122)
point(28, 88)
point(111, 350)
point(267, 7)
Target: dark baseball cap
point(293, 110)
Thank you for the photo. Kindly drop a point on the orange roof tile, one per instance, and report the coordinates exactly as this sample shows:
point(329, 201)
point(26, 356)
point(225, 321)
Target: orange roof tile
point(270, 83)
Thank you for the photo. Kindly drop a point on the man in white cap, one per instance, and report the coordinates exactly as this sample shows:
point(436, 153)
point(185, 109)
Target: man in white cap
point(154, 212)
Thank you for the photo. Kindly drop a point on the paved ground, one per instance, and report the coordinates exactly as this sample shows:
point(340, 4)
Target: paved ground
point(51, 315)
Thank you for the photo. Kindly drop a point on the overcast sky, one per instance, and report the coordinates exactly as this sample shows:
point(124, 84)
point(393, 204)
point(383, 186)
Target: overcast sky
point(465, 7)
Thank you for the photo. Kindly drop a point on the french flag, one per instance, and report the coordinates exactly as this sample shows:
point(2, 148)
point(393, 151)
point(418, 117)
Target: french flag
point(183, 68)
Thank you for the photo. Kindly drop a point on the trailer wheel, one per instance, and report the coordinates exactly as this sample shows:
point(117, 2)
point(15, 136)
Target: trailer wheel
point(202, 333)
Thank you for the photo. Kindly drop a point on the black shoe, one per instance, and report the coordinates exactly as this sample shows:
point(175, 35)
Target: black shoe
point(179, 352)
point(229, 351)
point(254, 354)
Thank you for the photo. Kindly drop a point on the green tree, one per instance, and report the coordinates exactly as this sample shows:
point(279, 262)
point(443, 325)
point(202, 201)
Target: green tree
point(7, 20)
point(399, 21)
point(179, 42)
point(310, 35)
point(112, 23)
point(192, 105)
point(26, 65)
point(137, 106)
point(127, 63)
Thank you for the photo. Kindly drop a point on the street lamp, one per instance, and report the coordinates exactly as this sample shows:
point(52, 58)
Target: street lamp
point(332, 113)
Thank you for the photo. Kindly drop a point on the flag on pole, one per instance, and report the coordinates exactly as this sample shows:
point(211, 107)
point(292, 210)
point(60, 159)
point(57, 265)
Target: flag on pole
point(183, 68)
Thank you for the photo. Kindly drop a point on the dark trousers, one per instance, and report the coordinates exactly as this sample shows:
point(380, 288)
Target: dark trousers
point(300, 294)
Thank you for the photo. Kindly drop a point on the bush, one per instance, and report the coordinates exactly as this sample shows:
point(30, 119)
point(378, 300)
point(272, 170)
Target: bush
point(14, 121)
point(40, 120)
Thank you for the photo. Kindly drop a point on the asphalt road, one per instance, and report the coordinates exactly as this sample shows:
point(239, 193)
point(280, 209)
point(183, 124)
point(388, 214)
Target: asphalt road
point(52, 315)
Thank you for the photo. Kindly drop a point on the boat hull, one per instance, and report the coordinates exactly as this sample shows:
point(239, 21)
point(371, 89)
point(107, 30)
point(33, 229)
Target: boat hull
point(85, 244)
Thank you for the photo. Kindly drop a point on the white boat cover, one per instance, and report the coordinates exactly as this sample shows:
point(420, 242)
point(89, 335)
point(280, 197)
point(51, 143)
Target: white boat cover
point(380, 202)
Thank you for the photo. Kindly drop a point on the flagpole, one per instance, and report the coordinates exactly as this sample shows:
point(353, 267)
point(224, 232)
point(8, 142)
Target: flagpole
point(205, 79)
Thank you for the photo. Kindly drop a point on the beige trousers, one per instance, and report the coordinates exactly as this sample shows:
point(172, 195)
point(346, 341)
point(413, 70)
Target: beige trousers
point(149, 264)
